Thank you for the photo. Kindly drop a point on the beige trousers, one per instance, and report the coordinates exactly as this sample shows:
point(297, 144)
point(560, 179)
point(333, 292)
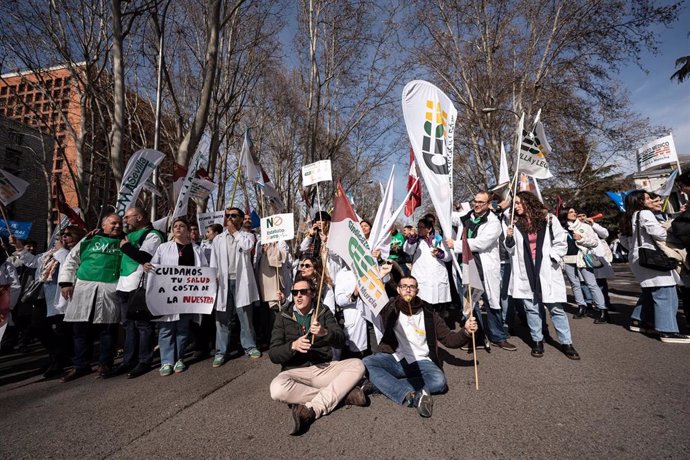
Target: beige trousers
point(320, 387)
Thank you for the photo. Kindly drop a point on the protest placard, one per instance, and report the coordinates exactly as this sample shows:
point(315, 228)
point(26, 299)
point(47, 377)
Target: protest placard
point(20, 229)
point(316, 172)
point(207, 218)
point(278, 227)
point(172, 290)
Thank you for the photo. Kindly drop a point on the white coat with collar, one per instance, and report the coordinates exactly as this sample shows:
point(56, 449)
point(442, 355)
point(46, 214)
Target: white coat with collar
point(246, 290)
point(603, 252)
point(486, 243)
point(550, 273)
point(430, 271)
point(167, 254)
point(649, 230)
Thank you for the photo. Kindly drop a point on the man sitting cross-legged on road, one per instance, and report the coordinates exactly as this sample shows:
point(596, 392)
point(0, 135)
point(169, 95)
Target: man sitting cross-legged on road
point(310, 381)
point(406, 368)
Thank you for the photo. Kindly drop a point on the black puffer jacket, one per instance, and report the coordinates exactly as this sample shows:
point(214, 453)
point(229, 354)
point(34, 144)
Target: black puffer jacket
point(286, 330)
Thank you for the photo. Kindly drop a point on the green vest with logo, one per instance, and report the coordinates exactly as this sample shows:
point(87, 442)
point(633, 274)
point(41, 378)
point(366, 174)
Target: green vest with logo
point(136, 239)
point(100, 259)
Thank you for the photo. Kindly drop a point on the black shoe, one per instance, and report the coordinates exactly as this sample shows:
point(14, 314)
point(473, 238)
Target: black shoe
point(424, 403)
point(139, 370)
point(54, 370)
point(570, 352)
point(302, 418)
point(538, 349)
point(75, 373)
point(115, 371)
point(603, 317)
point(581, 310)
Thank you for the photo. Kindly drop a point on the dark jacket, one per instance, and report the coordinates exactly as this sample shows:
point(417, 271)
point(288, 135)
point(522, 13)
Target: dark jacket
point(286, 330)
point(435, 327)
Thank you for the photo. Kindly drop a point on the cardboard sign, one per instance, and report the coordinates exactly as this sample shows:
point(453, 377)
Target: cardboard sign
point(207, 218)
point(278, 227)
point(171, 290)
point(316, 172)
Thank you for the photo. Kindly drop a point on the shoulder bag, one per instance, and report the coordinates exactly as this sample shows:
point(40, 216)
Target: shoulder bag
point(654, 259)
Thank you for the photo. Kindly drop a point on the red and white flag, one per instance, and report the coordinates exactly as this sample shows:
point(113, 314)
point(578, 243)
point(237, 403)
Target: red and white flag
point(470, 273)
point(415, 186)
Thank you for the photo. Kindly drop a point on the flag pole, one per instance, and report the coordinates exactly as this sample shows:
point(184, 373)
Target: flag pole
point(323, 264)
point(474, 345)
point(234, 186)
point(4, 216)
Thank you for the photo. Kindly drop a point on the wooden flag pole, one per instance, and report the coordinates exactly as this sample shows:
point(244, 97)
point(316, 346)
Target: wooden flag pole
point(323, 265)
point(7, 222)
point(474, 347)
point(234, 186)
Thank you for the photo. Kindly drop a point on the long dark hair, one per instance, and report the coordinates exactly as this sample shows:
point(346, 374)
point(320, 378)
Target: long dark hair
point(533, 218)
point(634, 201)
point(316, 278)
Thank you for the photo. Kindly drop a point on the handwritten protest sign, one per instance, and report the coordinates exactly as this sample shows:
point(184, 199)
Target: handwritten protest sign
point(207, 218)
point(279, 227)
point(316, 172)
point(172, 290)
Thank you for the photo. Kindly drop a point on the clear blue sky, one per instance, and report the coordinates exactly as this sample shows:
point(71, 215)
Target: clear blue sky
point(653, 94)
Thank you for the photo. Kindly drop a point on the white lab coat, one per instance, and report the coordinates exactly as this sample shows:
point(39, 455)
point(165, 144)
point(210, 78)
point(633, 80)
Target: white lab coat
point(168, 255)
point(246, 290)
point(429, 271)
point(486, 243)
point(603, 252)
point(649, 228)
point(550, 273)
point(355, 324)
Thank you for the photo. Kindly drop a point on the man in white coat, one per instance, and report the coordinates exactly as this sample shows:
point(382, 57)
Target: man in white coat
point(237, 290)
point(483, 235)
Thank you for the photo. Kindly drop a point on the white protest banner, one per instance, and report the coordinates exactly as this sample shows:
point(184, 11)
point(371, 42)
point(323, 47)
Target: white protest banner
point(347, 240)
point(278, 227)
point(11, 187)
point(207, 218)
point(188, 183)
point(661, 151)
point(534, 149)
point(139, 168)
point(430, 121)
point(316, 172)
point(171, 290)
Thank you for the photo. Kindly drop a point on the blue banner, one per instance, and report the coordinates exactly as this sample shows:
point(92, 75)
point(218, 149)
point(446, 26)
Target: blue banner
point(619, 199)
point(19, 229)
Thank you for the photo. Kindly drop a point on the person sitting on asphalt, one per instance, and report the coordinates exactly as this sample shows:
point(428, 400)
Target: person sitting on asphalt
point(406, 367)
point(310, 381)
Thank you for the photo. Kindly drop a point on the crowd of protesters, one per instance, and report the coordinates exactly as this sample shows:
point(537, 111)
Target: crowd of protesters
point(305, 308)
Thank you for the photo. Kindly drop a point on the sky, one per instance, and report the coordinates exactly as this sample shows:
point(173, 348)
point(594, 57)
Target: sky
point(653, 94)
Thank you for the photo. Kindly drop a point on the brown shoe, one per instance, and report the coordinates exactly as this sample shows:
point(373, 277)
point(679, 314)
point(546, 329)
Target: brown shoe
point(505, 345)
point(355, 397)
point(302, 417)
point(103, 371)
point(74, 374)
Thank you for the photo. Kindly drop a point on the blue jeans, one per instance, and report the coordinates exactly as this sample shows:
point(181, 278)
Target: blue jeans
point(172, 338)
point(138, 342)
point(224, 319)
point(507, 304)
point(534, 320)
point(396, 379)
point(494, 323)
point(659, 303)
point(83, 340)
point(572, 273)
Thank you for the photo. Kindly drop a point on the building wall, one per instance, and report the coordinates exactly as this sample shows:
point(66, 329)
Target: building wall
point(28, 154)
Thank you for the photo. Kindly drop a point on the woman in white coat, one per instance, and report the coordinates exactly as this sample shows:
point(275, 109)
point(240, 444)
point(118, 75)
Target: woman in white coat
point(173, 329)
point(658, 300)
point(429, 255)
point(582, 240)
point(537, 244)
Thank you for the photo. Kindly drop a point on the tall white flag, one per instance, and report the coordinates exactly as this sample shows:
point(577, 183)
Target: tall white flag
point(379, 232)
point(503, 175)
point(11, 187)
point(533, 152)
point(139, 168)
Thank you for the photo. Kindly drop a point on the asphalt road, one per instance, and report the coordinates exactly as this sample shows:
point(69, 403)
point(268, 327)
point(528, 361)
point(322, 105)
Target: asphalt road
point(628, 397)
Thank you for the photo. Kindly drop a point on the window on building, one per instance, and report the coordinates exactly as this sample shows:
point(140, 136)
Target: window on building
point(58, 82)
point(13, 159)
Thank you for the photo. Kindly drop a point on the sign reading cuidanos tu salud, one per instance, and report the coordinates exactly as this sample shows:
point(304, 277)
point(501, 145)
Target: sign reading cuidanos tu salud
point(659, 152)
point(171, 290)
point(279, 227)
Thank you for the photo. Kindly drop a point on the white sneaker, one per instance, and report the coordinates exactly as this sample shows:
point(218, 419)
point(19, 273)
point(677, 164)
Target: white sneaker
point(673, 337)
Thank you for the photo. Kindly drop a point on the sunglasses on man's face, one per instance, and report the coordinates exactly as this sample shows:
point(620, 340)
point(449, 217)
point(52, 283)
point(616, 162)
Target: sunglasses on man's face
point(232, 216)
point(296, 292)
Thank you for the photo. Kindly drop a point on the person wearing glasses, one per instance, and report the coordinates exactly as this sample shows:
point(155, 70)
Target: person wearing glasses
point(237, 289)
point(483, 230)
point(309, 269)
point(406, 367)
point(302, 342)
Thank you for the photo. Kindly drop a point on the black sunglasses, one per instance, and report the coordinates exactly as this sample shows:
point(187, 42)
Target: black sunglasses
point(305, 265)
point(295, 292)
point(232, 216)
